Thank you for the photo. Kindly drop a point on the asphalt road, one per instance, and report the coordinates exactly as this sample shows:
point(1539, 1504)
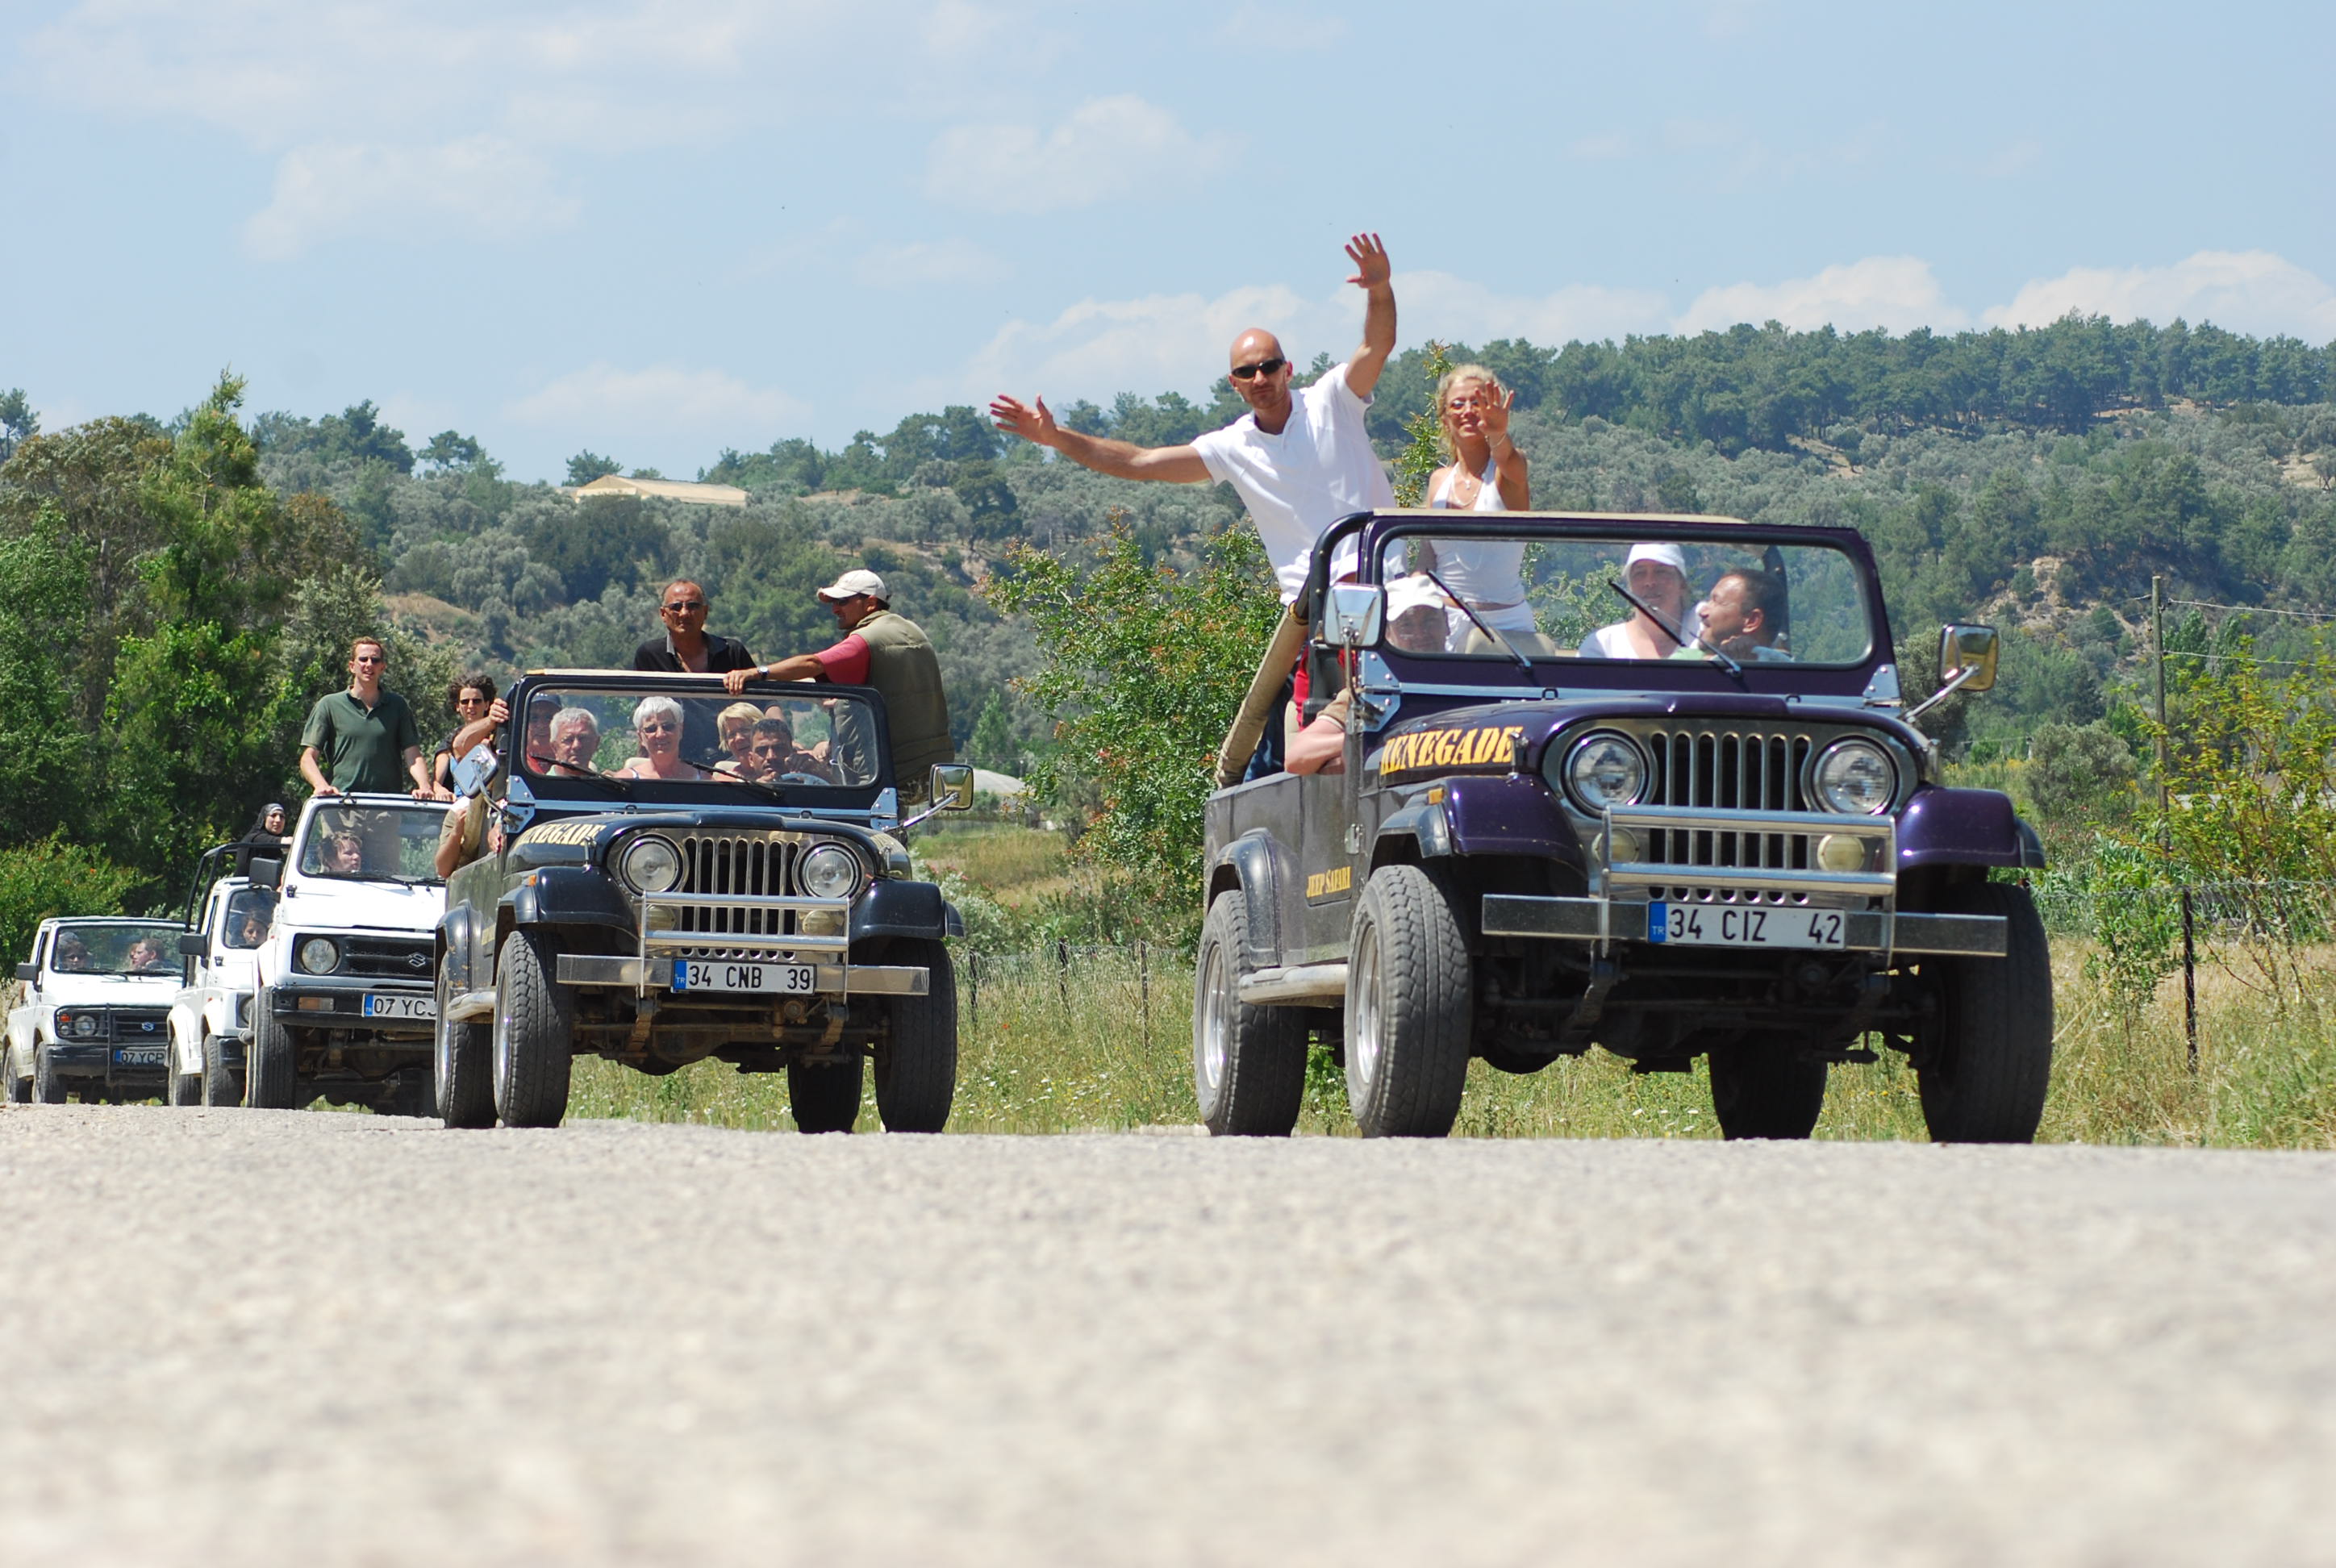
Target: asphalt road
point(258, 1337)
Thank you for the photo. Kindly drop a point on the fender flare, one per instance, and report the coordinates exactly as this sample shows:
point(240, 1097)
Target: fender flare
point(1251, 859)
point(458, 935)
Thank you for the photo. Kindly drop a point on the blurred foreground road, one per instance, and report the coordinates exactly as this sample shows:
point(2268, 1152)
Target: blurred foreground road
point(282, 1338)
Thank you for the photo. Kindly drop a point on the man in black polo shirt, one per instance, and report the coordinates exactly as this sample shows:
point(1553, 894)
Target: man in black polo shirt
point(687, 647)
point(355, 739)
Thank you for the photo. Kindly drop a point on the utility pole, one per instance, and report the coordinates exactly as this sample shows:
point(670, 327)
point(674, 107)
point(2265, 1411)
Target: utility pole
point(2164, 844)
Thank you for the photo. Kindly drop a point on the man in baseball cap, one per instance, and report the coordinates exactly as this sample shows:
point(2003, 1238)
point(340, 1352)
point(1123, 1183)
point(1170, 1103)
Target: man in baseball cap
point(884, 650)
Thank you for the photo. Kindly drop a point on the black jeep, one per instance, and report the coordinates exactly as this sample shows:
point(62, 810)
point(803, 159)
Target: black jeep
point(675, 873)
point(1591, 793)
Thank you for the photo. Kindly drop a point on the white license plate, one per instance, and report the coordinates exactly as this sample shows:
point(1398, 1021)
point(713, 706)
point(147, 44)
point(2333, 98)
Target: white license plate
point(377, 1005)
point(720, 975)
point(139, 1056)
point(1735, 926)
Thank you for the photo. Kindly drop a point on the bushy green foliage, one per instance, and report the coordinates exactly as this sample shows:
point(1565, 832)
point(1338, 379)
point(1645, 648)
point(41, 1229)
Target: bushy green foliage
point(50, 876)
point(1143, 667)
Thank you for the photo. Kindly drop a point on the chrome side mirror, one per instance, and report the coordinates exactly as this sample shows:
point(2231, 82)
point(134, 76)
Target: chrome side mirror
point(1357, 613)
point(1966, 662)
point(473, 771)
point(1968, 651)
point(952, 789)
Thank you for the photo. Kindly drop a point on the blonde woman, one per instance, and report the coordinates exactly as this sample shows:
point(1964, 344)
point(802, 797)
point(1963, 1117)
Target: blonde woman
point(1487, 473)
point(736, 724)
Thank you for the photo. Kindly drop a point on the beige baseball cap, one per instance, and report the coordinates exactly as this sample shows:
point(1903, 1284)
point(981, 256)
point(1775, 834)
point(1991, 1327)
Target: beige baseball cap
point(852, 584)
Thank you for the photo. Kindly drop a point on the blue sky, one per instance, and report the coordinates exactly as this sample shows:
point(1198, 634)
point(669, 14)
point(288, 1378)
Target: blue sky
point(657, 228)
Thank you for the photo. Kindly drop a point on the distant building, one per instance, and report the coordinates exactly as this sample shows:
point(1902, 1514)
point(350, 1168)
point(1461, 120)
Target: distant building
point(662, 490)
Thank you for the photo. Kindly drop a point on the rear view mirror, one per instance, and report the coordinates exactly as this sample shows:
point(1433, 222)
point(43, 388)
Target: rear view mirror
point(266, 872)
point(28, 971)
point(1971, 648)
point(952, 787)
point(194, 944)
point(1357, 612)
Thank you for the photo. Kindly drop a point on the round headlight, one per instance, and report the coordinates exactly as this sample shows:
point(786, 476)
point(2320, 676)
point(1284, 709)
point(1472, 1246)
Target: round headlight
point(651, 866)
point(829, 871)
point(1857, 778)
point(319, 957)
point(86, 1025)
point(1604, 771)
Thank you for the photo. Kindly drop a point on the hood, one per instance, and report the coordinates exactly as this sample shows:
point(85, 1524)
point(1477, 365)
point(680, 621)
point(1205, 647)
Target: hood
point(64, 990)
point(322, 904)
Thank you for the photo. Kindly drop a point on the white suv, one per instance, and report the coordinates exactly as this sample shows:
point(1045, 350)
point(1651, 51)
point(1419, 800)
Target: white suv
point(91, 1007)
point(346, 1009)
point(210, 1017)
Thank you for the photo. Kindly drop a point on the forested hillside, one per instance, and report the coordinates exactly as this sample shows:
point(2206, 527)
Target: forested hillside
point(179, 585)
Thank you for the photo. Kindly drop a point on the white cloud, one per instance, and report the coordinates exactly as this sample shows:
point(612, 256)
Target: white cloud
point(1896, 293)
point(1455, 311)
point(923, 262)
point(1162, 341)
point(605, 403)
point(2251, 291)
point(1279, 29)
point(1108, 149)
point(482, 182)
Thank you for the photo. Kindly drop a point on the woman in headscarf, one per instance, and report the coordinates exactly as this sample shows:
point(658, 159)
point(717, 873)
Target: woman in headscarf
point(268, 827)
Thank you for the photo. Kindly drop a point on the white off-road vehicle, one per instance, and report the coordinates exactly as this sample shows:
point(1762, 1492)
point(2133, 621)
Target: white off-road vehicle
point(210, 1017)
point(90, 1011)
point(346, 1009)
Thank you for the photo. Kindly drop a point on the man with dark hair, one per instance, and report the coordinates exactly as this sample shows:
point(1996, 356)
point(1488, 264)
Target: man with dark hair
point(686, 648)
point(889, 652)
point(355, 739)
point(1744, 616)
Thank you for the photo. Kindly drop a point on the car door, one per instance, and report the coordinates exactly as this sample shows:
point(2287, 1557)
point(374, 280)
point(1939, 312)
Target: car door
point(23, 1019)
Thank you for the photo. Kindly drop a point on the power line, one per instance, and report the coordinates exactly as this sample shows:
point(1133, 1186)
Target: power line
point(2236, 609)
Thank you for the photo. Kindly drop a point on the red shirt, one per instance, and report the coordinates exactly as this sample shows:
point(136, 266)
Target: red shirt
point(846, 664)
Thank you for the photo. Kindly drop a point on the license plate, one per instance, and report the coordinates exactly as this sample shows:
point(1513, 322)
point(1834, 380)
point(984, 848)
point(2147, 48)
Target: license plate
point(377, 1005)
point(719, 975)
point(1732, 926)
point(139, 1056)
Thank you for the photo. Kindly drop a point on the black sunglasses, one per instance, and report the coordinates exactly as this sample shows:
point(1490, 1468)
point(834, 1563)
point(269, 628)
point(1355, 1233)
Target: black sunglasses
point(1262, 367)
point(687, 604)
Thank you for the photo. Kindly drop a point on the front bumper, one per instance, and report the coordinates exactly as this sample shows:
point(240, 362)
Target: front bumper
point(338, 1002)
point(1742, 861)
point(655, 974)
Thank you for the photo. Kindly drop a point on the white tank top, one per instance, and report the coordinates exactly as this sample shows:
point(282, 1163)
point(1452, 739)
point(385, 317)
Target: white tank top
point(1486, 572)
point(1488, 491)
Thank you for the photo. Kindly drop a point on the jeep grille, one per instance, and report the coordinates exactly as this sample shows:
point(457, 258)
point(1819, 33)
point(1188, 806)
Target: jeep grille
point(386, 958)
point(744, 865)
point(1727, 770)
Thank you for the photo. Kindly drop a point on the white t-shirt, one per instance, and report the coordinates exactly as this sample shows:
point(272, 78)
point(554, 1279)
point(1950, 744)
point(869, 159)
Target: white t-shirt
point(1320, 467)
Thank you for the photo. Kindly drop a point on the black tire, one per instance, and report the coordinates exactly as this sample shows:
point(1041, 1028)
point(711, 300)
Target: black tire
point(1408, 1008)
point(1249, 1062)
point(272, 1074)
point(48, 1088)
point(1762, 1087)
point(180, 1088)
point(222, 1085)
point(19, 1089)
point(534, 1035)
point(916, 1067)
point(1985, 1075)
point(463, 1067)
point(824, 1096)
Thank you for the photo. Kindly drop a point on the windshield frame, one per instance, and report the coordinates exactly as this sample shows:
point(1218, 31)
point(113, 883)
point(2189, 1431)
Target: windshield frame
point(296, 853)
point(615, 794)
point(1499, 676)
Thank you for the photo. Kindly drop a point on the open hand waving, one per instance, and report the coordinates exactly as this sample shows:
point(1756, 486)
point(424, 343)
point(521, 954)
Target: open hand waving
point(1016, 418)
point(1372, 267)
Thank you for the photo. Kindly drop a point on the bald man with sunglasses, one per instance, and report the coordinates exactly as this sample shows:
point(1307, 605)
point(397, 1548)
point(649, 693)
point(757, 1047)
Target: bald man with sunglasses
point(1301, 461)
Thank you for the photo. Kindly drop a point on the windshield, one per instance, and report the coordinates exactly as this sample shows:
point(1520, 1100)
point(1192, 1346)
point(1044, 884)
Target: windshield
point(372, 842)
point(248, 914)
point(116, 949)
point(824, 739)
point(1742, 600)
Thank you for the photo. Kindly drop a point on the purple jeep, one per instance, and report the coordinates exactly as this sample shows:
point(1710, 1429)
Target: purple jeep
point(1641, 783)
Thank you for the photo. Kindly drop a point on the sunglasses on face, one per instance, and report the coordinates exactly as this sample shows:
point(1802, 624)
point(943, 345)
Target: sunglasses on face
point(684, 606)
point(655, 728)
point(369, 659)
point(1262, 367)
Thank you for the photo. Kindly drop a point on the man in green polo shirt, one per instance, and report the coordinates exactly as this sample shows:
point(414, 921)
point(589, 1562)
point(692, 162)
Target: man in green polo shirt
point(355, 739)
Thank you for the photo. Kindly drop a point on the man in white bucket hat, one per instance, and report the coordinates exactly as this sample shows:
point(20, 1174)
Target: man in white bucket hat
point(1656, 574)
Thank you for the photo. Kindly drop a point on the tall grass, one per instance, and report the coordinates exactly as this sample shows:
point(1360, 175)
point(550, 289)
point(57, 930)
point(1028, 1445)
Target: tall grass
point(1105, 1044)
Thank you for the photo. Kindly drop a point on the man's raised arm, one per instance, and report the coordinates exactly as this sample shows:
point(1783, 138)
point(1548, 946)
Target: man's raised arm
point(1119, 459)
point(1372, 271)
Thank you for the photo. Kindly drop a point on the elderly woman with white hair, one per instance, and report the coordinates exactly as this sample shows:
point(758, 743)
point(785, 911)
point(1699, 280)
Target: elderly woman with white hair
point(657, 720)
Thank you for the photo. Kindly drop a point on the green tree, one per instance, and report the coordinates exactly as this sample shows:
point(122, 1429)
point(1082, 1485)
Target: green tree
point(1144, 667)
point(43, 753)
point(588, 465)
point(49, 877)
point(18, 419)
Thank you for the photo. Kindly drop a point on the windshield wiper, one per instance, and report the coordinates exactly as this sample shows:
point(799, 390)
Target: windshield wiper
point(1505, 645)
point(1643, 608)
point(624, 786)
